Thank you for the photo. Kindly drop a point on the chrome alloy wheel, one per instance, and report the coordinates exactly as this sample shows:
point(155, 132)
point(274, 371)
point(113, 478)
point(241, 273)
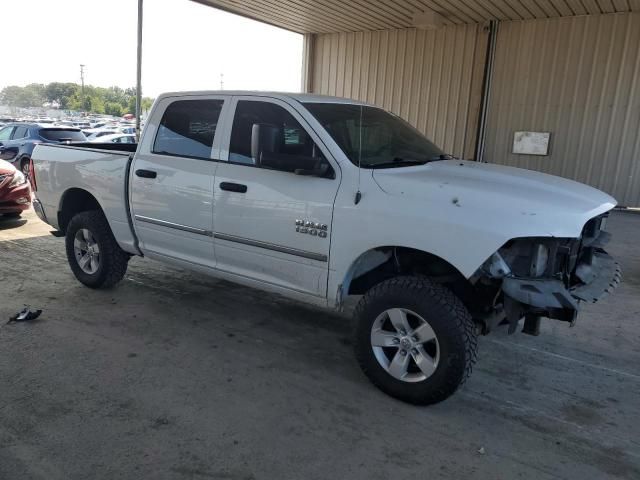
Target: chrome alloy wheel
point(405, 345)
point(87, 251)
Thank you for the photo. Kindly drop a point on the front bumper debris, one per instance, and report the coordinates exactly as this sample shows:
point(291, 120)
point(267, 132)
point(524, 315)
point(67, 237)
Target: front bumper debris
point(599, 278)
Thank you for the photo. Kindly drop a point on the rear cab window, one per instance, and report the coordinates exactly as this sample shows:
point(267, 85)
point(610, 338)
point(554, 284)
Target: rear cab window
point(188, 128)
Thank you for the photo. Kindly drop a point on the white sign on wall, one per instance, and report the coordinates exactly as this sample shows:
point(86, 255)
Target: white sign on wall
point(531, 143)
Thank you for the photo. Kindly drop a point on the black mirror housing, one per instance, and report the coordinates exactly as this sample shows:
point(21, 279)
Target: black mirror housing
point(264, 139)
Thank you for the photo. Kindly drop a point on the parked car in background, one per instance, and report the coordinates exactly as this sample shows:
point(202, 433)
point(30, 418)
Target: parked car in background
point(45, 121)
point(15, 193)
point(92, 133)
point(17, 141)
point(115, 138)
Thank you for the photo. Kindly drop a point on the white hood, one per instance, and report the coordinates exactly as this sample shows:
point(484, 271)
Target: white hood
point(526, 202)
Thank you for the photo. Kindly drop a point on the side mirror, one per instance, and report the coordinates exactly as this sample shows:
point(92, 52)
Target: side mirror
point(264, 138)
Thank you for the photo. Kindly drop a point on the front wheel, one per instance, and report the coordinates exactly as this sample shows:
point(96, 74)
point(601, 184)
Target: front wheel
point(92, 251)
point(415, 340)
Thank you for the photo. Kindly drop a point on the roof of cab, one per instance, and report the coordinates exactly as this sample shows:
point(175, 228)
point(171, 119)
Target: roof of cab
point(300, 97)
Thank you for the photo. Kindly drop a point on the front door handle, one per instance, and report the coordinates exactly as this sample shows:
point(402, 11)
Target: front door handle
point(146, 173)
point(233, 187)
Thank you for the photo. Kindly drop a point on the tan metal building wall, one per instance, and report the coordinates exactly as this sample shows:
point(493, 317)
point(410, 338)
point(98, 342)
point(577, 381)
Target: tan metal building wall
point(431, 78)
point(578, 78)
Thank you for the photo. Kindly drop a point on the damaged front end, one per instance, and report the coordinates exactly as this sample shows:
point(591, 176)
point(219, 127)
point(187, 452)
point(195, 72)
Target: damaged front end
point(549, 277)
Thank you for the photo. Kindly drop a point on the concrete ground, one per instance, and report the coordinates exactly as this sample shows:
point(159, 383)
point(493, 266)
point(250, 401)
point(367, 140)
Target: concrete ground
point(174, 376)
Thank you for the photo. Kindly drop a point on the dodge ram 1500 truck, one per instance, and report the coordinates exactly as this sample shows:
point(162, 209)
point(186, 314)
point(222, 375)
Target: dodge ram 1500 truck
point(320, 198)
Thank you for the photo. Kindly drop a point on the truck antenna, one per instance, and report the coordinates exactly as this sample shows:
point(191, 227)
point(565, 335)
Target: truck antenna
point(358, 193)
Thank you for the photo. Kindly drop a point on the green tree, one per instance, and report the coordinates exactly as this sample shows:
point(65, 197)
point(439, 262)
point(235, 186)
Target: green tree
point(60, 93)
point(30, 96)
point(112, 100)
point(147, 103)
point(113, 108)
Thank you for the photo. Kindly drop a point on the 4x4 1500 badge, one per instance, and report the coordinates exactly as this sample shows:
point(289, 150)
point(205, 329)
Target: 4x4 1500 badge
point(312, 228)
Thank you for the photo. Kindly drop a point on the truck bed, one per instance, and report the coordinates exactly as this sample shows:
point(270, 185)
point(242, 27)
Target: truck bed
point(112, 147)
point(99, 168)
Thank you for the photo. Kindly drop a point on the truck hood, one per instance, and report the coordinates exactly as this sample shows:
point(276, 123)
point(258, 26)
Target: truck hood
point(526, 202)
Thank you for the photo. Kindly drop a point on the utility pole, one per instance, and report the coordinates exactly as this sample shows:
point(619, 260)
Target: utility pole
point(222, 81)
point(82, 81)
point(139, 72)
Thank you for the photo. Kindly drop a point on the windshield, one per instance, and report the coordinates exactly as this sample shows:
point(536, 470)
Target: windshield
point(62, 135)
point(387, 141)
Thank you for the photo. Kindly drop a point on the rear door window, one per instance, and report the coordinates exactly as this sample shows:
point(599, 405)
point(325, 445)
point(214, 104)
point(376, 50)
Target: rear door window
point(187, 128)
point(19, 132)
point(62, 135)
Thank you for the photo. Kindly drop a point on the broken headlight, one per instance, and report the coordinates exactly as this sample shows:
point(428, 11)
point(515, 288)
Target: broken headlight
point(534, 257)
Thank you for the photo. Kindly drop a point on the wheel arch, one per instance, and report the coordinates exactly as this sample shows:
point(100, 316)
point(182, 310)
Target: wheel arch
point(380, 263)
point(73, 201)
point(24, 157)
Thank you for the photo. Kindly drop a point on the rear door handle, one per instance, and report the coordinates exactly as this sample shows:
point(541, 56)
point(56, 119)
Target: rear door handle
point(146, 173)
point(233, 187)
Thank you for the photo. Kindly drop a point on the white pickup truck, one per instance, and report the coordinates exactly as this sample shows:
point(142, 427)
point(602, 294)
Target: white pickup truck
point(320, 198)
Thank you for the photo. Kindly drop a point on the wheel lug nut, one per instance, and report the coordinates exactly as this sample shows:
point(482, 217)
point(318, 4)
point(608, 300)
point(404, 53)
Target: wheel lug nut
point(396, 340)
point(403, 352)
point(414, 338)
point(414, 351)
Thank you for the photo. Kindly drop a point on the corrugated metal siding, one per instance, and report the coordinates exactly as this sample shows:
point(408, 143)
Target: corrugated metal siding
point(433, 79)
point(332, 16)
point(578, 78)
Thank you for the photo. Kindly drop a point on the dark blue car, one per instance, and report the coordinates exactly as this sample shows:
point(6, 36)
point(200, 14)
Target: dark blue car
point(17, 141)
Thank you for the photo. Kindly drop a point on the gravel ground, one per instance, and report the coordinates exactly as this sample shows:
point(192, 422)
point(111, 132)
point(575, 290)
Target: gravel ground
point(176, 376)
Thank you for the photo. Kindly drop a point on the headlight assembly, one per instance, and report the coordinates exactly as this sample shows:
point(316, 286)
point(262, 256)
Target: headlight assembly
point(533, 257)
point(539, 260)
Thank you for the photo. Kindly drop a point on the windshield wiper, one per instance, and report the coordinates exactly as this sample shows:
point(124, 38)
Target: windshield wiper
point(397, 162)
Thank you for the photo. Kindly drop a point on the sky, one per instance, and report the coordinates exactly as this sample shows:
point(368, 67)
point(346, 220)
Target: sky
point(186, 46)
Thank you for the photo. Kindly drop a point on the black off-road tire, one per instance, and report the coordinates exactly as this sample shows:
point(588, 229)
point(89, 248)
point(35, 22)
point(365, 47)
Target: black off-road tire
point(450, 321)
point(113, 260)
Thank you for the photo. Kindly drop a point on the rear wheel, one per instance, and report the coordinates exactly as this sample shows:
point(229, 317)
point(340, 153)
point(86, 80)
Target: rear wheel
point(92, 251)
point(415, 340)
point(24, 167)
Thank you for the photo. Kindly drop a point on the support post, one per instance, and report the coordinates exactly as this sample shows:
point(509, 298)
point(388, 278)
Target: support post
point(308, 48)
point(139, 73)
point(486, 91)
